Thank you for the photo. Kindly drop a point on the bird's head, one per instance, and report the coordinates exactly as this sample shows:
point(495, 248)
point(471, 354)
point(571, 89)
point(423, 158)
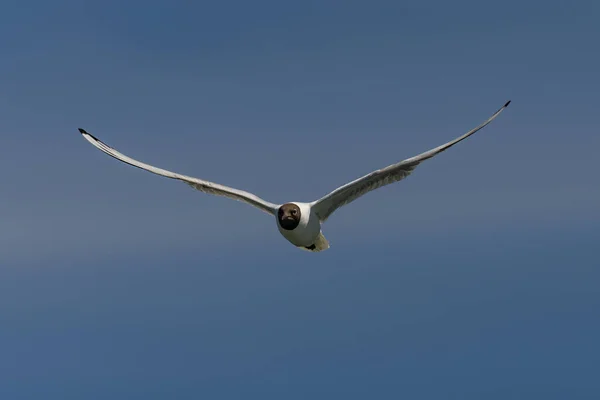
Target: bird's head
point(288, 216)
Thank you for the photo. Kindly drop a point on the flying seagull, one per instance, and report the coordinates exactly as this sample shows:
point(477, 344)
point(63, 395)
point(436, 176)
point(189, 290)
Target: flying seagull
point(298, 222)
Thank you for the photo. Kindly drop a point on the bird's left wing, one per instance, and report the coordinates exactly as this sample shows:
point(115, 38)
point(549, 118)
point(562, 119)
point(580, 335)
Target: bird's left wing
point(199, 184)
point(326, 205)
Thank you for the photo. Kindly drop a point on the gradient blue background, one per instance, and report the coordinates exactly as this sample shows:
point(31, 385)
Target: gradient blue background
point(476, 277)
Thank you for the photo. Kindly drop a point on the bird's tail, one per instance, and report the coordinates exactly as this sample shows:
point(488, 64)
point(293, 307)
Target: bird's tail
point(320, 244)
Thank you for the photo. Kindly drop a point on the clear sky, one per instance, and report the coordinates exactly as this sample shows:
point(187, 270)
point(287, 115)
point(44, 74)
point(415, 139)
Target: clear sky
point(476, 277)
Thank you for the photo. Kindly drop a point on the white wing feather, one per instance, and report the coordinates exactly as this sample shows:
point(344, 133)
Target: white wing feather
point(343, 195)
point(199, 184)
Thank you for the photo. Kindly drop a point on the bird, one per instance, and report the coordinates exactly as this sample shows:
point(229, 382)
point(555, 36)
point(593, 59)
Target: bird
point(300, 223)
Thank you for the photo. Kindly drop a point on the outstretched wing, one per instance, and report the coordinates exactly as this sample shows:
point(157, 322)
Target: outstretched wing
point(199, 184)
point(343, 195)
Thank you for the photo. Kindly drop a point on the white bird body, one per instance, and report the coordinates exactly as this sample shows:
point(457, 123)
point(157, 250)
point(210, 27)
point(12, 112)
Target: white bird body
point(299, 222)
point(308, 231)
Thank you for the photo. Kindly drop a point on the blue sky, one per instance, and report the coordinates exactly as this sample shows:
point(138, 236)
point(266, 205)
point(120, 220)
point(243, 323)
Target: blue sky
point(475, 277)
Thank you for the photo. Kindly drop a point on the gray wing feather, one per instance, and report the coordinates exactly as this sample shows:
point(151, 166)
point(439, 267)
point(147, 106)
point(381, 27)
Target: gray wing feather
point(343, 195)
point(199, 184)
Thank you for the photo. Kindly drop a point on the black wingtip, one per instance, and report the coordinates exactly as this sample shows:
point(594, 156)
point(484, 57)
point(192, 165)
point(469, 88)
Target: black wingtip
point(507, 103)
point(84, 132)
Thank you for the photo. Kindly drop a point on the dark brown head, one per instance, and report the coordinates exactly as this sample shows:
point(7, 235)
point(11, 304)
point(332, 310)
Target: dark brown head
point(288, 216)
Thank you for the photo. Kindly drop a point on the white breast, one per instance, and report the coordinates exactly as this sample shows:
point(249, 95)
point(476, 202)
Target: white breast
point(307, 231)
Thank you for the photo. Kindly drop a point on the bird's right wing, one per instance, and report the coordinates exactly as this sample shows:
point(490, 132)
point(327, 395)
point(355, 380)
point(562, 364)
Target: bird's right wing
point(349, 192)
point(199, 184)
